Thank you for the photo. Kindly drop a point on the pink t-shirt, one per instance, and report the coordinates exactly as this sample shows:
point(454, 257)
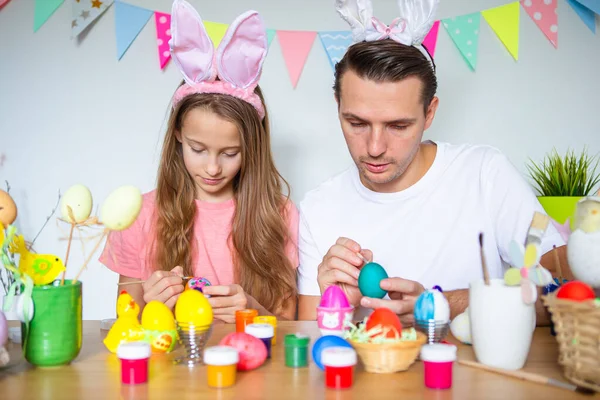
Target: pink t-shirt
point(128, 252)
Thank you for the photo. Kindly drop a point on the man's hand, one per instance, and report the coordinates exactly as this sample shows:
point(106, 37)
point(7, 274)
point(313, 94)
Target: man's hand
point(403, 295)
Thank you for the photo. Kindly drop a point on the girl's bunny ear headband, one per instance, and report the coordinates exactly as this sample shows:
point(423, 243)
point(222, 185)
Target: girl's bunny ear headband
point(237, 63)
point(410, 29)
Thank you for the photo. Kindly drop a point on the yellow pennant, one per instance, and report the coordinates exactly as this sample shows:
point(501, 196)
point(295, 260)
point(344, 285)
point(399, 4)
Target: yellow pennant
point(504, 21)
point(216, 31)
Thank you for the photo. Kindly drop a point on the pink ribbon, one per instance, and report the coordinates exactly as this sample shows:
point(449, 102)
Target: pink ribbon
point(395, 28)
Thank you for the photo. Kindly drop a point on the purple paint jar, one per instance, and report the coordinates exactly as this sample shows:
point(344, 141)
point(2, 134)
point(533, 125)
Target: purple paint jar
point(263, 332)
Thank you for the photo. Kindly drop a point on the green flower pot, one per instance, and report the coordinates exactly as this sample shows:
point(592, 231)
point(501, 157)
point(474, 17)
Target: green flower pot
point(54, 334)
point(560, 208)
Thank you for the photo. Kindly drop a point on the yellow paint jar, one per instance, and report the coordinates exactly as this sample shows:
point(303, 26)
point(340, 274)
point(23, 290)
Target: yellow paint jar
point(221, 365)
point(268, 319)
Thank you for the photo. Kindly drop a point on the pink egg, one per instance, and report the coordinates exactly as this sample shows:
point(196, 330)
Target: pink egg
point(252, 351)
point(334, 297)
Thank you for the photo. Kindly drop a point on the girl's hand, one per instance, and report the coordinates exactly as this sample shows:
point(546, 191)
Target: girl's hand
point(164, 286)
point(226, 300)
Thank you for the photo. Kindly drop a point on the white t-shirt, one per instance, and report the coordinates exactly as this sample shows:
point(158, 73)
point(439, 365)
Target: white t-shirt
point(429, 232)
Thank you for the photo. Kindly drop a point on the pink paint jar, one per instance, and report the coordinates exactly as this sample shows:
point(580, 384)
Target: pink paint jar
point(134, 358)
point(438, 359)
point(339, 365)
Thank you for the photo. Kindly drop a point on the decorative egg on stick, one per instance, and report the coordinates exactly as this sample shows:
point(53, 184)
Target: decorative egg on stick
point(8, 209)
point(583, 248)
point(334, 311)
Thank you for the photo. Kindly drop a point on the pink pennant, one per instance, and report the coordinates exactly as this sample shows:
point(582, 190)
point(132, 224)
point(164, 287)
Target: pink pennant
point(431, 38)
point(295, 46)
point(544, 14)
point(163, 35)
point(3, 3)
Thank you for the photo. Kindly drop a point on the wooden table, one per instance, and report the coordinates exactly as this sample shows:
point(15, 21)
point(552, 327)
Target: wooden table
point(95, 375)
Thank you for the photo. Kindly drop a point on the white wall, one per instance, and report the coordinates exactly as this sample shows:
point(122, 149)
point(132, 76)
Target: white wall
point(71, 113)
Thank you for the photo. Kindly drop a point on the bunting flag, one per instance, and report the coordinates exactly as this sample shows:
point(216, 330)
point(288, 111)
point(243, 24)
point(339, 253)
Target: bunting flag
point(586, 15)
point(464, 31)
point(3, 3)
point(129, 22)
point(431, 38)
point(163, 35)
point(335, 44)
point(544, 14)
point(43, 9)
point(295, 46)
point(270, 36)
point(216, 31)
point(593, 5)
point(84, 12)
point(504, 21)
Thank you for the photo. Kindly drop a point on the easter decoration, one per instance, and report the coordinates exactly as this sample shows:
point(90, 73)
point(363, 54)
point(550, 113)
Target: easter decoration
point(461, 327)
point(197, 283)
point(252, 351)
point(194, 318)
point(157, 327)
point(432, 315)
point(334, 311)
point(369, 279)
point(323, 343)
point(583, 249)
point(526, 270)
point(383, 345)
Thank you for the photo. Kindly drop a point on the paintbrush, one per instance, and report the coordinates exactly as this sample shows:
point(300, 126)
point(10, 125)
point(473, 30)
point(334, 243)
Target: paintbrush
point(486, 274)
point(528, 376)
point(185, 278)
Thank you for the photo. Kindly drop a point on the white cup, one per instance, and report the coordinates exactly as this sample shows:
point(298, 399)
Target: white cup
point(502, 324)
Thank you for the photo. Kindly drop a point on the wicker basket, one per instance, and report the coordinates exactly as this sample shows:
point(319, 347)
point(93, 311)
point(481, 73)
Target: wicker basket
point(389, 357)
point(577, 326)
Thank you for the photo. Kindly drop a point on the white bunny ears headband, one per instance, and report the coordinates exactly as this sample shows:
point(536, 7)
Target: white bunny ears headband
point(410, 29)
point(237, 63)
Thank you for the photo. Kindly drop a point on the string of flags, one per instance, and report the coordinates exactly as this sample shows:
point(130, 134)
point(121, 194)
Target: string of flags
point(296, 45)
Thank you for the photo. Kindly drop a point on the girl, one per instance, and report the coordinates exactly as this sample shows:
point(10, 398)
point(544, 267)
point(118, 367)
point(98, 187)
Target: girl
point(218, 210)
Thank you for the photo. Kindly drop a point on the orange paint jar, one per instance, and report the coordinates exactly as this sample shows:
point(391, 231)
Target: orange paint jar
point(271, 320)
point(243, 318)
point(221, 366)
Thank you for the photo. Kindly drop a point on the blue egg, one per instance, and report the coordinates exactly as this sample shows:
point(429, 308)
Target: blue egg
point(324, 342)
point(369, 280)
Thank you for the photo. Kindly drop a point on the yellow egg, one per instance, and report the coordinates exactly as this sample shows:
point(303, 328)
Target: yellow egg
point(157, 317)
point(193, 308)
point(8, 209)
point(79, 198)
point(121, 208)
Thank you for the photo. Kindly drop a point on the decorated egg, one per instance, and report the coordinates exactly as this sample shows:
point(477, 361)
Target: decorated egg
point(432, 305)
point(79, 199)
point(334, 297)
point(8, 209)
point(369, 280)
point(197, 284)
point(325, 342)
point(252, 351)
point(157, 317)
point(387, 321)
point(121, 208)
point(461, 327)
point(192, 308)
point(575, 291)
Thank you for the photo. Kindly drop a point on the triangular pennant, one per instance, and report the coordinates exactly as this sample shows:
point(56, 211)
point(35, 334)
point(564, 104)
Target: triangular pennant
point(84, 12)
point(216, 31)
point(586, 15)
point(593, 5)
point(335, 44)
point(163, 35)
point(543, 13)
point(464, 31)
point(504, 21)
point(43, 10)
point(270, 36)
point(295, 46)
point(3, 3)
point(129, 21)
point(431, 39)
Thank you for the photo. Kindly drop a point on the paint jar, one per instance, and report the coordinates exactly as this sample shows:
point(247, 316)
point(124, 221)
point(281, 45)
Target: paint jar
point(221, 364)
point(134, 358)
point(438, 360)
point(339, 365)
point(243, 318)
point(296, 350)
point(263, 332)
point(268, 319)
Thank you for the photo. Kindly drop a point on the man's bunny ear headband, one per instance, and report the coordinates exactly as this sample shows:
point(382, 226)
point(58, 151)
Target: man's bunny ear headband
point(410, 29)
point(237, 63)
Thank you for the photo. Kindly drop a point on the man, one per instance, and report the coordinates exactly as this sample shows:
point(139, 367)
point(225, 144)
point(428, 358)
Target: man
point(415, 207)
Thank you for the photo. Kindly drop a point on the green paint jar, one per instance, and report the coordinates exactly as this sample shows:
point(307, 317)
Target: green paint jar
point(53, 337)
point(296, 350)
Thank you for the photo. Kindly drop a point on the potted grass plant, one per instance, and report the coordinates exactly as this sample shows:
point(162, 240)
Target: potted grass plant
point(561, 181)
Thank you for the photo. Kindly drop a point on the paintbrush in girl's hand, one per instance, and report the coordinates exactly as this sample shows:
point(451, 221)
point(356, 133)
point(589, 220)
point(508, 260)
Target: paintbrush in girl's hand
point(185, 278)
